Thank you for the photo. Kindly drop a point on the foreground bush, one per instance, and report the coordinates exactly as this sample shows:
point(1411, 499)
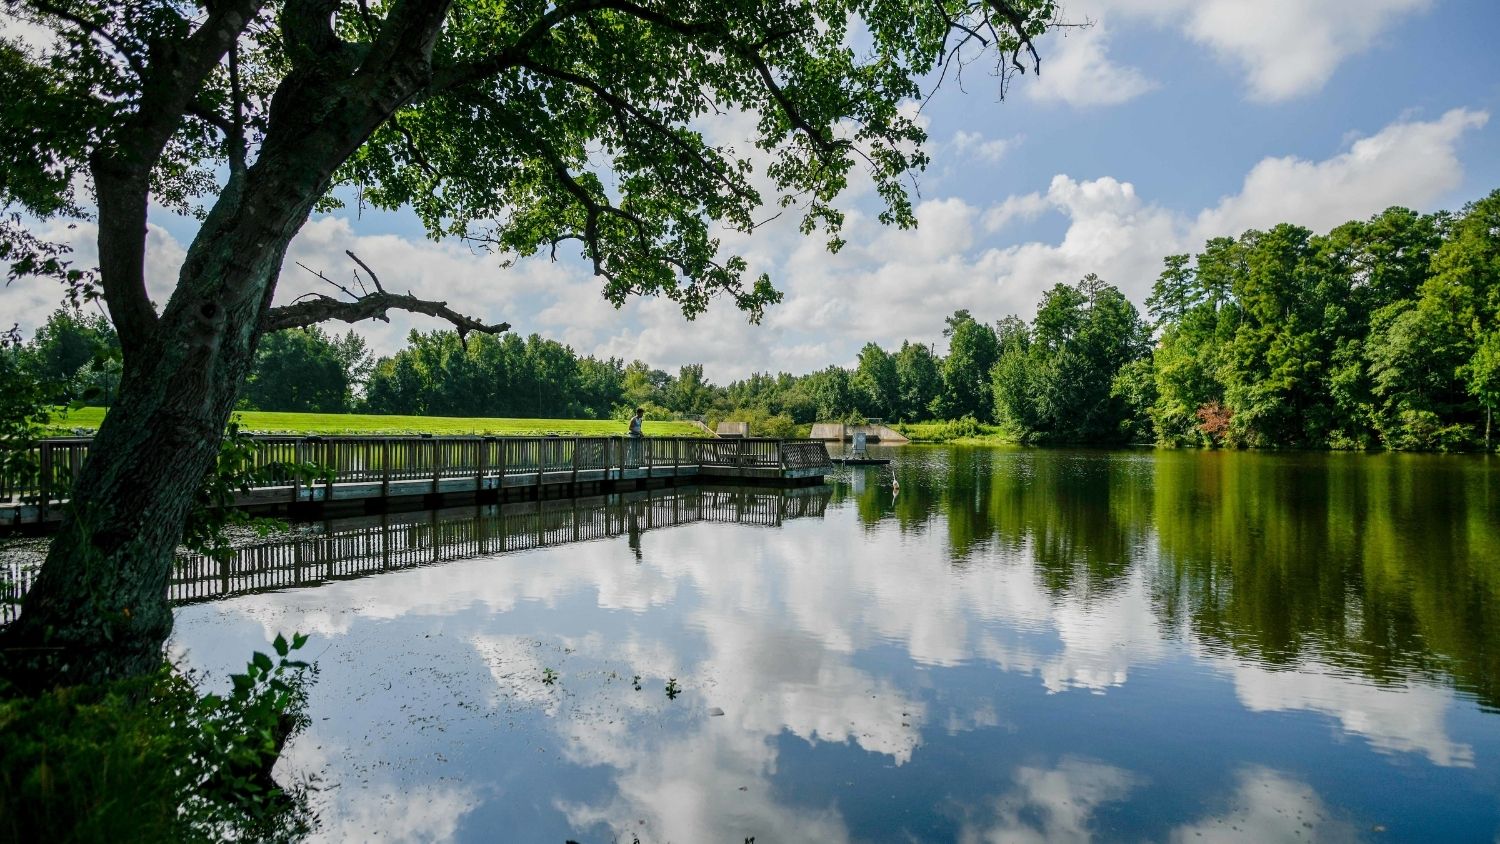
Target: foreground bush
point(151, 759)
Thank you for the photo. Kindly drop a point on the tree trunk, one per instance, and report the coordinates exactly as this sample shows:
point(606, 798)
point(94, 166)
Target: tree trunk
point(98, 609)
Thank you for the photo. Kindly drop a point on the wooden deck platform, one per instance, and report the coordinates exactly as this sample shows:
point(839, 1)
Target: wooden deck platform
point(368, 473)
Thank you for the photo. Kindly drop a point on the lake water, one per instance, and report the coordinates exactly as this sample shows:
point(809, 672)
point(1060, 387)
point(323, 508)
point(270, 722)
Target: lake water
point(1019, 645)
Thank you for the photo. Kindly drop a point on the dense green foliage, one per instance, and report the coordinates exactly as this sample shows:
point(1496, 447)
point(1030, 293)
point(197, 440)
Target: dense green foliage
point(307, 370)
point(438, 375)
point(1380, 333)
point(1055, 378)
point(76, 355)
point(151, 759)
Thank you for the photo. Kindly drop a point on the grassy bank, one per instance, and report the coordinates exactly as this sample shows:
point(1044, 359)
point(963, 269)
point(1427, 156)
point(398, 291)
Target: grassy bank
point(960, 431)
point(89, 418)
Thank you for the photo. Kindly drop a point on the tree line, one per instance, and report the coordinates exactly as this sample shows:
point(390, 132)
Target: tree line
point(1381, 333)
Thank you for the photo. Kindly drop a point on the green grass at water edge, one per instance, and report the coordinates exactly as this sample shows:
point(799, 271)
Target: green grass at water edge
point(960, 432)
point(89, 418)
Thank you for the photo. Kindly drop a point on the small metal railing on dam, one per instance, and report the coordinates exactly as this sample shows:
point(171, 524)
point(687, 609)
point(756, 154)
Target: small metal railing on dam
point(364, 545)
point(380, 467)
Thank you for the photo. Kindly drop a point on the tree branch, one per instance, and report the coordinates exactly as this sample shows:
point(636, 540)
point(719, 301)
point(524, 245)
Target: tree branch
point(463, 74)
point(623, 109)
point(1018, 25)
point(95, 30)
point(316, 308)
point(173, 74)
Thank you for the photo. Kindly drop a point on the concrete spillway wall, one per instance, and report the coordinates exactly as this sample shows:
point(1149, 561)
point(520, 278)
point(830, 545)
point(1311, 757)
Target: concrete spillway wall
point(836, 432)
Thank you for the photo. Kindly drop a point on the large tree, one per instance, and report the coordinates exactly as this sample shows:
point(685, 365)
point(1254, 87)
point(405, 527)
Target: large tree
point(524, 125)
point(973, 349)
point(300, 371)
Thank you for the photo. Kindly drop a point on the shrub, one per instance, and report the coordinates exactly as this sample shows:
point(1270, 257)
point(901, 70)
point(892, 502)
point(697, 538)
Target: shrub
point(1423, 430)
point(149, 759)
point(1213, 422)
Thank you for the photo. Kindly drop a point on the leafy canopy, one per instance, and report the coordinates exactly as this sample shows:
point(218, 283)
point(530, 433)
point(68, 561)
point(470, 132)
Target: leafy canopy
point(522, 126)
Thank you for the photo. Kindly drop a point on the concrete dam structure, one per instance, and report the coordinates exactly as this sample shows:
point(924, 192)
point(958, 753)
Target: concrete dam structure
point(839, 432)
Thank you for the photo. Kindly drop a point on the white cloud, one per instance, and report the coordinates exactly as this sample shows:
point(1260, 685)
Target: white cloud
point(29, 301)
point(471, 281)
point(1406, 163)
point(1078, 72)
point(1288, 48)
point(1284, 48)
point(1021, 206)
point(976, 145)
point(889, 285)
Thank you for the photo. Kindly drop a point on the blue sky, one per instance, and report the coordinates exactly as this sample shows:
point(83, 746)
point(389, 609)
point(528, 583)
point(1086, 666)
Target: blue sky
point(1162, 124)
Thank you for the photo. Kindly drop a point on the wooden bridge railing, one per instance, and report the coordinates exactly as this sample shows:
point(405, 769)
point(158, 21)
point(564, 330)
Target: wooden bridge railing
point(387, 460)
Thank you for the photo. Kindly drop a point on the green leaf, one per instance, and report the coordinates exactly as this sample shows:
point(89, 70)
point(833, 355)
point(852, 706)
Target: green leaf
point(280, 645)
point(261, 661)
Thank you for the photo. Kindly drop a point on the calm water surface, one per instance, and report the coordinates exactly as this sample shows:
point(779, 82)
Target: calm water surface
point(1020, 645)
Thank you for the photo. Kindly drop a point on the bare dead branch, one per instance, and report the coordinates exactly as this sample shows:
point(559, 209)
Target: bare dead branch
point(373, 277)
point(313, 308)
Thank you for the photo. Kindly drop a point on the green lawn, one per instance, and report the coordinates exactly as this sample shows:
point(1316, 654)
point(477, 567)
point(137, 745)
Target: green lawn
point(366, 423)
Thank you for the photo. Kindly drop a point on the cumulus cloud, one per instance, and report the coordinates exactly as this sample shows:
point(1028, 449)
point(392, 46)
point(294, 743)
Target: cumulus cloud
point(1284, 48)
point(917, 276)
point(29, 301)
point(1290, 47)
point(1407, 163)
point(976, 145)
point(1080, 73)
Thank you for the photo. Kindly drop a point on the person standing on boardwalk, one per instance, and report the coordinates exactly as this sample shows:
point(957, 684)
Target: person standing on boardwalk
point(635, 435)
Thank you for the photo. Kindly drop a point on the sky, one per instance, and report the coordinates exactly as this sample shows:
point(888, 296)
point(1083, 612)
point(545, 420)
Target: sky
point(1161, 124)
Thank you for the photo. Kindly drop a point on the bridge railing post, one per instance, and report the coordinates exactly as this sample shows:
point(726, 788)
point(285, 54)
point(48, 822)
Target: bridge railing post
point(299, 458)
point(44, 481)
point(385, 467)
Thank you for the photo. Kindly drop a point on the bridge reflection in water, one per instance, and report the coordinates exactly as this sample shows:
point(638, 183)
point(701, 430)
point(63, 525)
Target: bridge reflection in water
point(356, 547)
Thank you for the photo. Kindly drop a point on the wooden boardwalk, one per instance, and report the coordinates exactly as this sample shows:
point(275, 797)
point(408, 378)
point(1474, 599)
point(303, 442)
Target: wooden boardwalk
point(372, 470)
point(365, 545)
